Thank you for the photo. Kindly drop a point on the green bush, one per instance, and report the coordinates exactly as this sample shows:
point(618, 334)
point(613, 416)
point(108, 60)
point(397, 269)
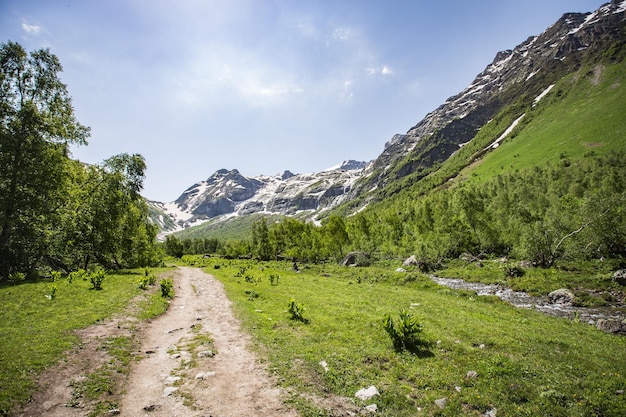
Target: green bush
point(296, 310)
point(167, 288)
point(96, 278)
point(406, 333)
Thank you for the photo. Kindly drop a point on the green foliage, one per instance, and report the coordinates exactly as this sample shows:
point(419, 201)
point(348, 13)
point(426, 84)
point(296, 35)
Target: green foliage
point(96, 277)
point(167, 288)
point(148, 279)
point(54, 211)
point(296, 310)
point(274, 278)
point(53, 291)
point(405, 333)
point(174, 247)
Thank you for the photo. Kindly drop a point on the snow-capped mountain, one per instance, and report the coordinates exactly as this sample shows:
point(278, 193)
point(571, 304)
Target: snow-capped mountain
point(228, 193)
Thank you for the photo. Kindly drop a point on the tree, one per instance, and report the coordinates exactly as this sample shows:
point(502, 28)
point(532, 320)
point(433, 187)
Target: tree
point(261, 239)
point(37, 126)
point(337, 236)
point(173, 246)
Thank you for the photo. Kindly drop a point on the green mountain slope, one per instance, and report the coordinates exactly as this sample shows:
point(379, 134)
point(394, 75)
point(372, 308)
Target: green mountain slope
point(583, 115)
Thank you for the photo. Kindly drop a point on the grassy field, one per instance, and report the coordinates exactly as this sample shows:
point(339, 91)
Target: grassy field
point(37, 329)
point(526, 363)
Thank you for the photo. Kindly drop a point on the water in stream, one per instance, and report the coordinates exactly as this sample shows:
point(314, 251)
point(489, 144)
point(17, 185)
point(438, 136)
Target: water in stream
point(523, 300)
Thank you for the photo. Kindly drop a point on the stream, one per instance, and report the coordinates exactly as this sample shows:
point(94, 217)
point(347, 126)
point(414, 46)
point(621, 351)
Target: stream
point(521, 299)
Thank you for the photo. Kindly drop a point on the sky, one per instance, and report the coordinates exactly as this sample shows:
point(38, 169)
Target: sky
point(264, 86)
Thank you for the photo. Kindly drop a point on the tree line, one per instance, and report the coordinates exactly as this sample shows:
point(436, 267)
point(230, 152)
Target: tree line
point(55, 212)
point(572, 209)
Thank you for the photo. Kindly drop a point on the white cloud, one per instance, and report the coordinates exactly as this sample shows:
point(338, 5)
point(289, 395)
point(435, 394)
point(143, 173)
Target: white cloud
point(30, 29)
point(386, 70)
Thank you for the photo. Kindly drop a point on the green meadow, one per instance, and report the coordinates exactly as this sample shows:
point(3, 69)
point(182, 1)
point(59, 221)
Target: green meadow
point(525, 363)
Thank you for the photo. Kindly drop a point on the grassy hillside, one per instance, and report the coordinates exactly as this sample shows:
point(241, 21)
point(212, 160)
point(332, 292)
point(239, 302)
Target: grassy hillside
point(235, 228)
point(583, 115)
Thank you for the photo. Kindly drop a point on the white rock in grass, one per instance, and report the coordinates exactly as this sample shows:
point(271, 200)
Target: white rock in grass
point(441, 403)
point(169, 391)
point(367, 393)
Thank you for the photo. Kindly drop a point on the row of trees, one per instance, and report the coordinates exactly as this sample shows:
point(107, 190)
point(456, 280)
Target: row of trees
point(55, 211)
point(574, 209)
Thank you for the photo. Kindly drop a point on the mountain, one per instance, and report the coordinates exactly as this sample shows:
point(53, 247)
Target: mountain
point(515, 78)
point(227, 193)
point(473, 122)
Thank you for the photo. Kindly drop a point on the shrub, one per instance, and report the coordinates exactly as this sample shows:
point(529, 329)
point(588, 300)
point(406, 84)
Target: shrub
point(96, 278)
point(80, 274)
point(405, 334)
point(274, 279)
point(296, 310)
point(167, 287)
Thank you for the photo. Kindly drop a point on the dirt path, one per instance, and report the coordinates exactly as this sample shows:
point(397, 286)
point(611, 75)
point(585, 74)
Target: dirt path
point(183, 374)
point(195, 362)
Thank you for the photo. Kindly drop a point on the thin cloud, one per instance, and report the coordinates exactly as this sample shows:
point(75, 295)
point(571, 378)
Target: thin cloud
point(30, 29)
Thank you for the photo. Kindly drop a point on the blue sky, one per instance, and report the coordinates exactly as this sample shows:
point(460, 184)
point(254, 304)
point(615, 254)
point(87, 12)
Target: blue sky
point(264, 85)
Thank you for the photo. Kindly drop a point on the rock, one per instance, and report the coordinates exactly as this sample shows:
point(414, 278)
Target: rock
point(356, 259)
point(611, 326)
point(371, 409)
point(152, 407)
point(367, 393)
point(204, 375)
point(324, 365)
point(172, 380)
point(400, 270)
point(491, 413)
point(458, 389)
point(115, 412)
point(206, 354)
point(561, 296)
point(410, 261)
point(441, 402)
point(471, 375)
point(620, 277)
point(169, 391)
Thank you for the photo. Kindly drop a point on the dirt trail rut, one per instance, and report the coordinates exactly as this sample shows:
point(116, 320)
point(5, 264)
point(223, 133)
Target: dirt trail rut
point(184, 375)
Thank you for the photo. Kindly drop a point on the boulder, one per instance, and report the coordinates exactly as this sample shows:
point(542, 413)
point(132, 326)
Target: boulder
point(410, 261)
point(367, 393)
point(620, 276)
point(611, 326)
point(561, 296)
point(356, 259)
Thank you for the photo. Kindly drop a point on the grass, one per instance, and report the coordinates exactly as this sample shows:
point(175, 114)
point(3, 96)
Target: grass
point(526, 363)
point(37, 331)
